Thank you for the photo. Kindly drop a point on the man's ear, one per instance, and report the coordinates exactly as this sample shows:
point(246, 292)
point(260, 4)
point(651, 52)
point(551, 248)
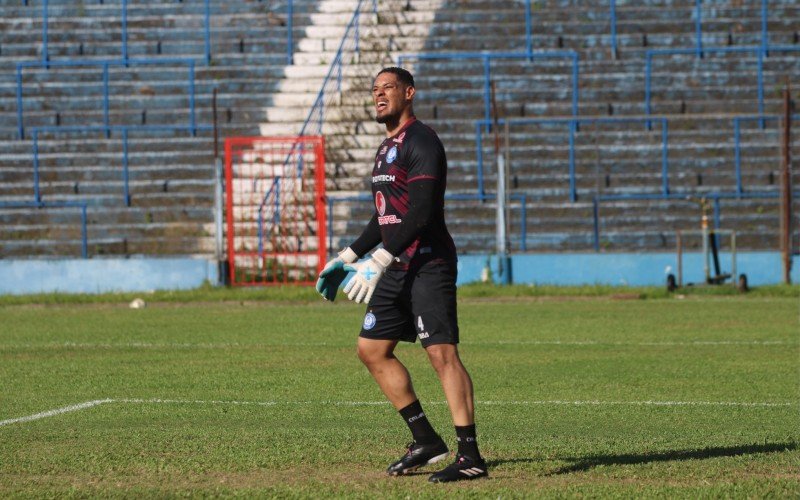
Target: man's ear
point(410, 92)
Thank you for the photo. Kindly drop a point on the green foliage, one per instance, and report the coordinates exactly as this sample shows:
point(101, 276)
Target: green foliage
point(262, 395)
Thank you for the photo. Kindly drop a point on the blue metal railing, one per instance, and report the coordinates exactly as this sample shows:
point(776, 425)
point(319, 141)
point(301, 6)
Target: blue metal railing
point(332, 84)
point(761, 51)
point(572, 124)
point(105, 65)
point(82, 205)
point(123, 130)
point(737, 135)
point(487, 57)
point(124, 29)
point(713, 196)
point(364, 198)
point(274, 191)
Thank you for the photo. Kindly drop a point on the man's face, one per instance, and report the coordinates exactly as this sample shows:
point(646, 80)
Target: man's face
point(390, 96)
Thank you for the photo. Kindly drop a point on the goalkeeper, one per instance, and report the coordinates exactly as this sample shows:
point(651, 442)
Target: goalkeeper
point(409, 285)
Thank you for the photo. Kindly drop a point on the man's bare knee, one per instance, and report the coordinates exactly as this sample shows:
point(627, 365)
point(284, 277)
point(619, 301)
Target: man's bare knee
point(373, 353)
point(443, 356)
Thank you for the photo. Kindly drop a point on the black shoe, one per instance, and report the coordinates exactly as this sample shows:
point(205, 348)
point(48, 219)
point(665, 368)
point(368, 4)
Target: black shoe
point(463, 468)
point(417, 456)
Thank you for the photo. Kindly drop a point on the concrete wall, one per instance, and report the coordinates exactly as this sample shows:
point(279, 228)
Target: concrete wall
point(145, 274)
point(104, 275)
point(632, 269)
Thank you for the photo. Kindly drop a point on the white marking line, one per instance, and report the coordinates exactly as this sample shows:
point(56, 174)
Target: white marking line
point(97, 402)
point(233, 345)
point(57, 411)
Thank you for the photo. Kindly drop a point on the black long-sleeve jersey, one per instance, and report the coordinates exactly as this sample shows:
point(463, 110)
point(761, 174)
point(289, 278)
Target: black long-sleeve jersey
point(408, 184)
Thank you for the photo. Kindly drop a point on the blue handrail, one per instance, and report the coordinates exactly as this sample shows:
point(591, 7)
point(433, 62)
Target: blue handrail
point(105, 64)
point(317, 110)
point(714, 196)
point(124, 130)
point(82, 205)
point(486, 57)
point(124, 34)
point(573, 124)
point(737, 156)
point(613, 18)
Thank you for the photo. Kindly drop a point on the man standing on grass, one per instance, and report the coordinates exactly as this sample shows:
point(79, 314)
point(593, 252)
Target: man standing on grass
point(409, 285)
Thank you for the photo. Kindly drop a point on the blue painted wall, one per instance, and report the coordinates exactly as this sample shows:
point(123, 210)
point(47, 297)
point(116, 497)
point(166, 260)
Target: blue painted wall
point(104, 275)
point(146, 274)
point(632, 269)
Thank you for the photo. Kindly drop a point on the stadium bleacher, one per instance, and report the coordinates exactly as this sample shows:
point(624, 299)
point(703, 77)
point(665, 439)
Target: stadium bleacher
point(171, 172)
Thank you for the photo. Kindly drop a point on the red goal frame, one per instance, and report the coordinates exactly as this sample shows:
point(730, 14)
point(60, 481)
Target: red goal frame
point(275, 209)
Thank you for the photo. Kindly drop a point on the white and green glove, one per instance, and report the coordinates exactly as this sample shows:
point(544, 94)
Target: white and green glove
point(368, 273)
point(333, 274)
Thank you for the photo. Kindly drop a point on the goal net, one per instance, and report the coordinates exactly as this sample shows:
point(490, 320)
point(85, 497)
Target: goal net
point(275, 203)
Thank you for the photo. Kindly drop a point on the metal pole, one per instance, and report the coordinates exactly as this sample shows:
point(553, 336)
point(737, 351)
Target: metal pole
point(596, 217)
point(207, 27)
point(786, 186)
point(479, 148)
point(699, 28)
point(486, 89)
point(764, 33)
point(106, 120)
point(679, 251)
point(737, 155)
point(37, 196)
point(84, 236)
point(524, 215)
point(573, 196)
point(760, 76)
point(647, 76)
point(125, 176)
point(613, 29)
point(192, 122)
point(125, 31)
point(504, 267)
point(575, 87)
point(528, 24)
point(289, 40)
point(664, 157)
point(218, 198)
point(20, 125)
point(734, 277)
point(704, 232)
point(45, 55)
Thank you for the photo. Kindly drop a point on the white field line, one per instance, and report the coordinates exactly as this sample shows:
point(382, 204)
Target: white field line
point(236, 345)
point(57, 411)
point(97, 402)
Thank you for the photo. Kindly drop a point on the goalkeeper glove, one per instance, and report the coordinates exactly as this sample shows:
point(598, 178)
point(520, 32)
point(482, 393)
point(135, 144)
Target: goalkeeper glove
point(333, 274)
point(368, 273)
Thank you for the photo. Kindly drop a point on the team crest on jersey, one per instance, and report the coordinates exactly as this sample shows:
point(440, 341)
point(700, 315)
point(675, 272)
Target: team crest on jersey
point(391, 155)
point(380, 203)
point(369, 321)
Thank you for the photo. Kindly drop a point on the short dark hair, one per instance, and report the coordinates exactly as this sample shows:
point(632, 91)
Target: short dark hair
point(402, 74)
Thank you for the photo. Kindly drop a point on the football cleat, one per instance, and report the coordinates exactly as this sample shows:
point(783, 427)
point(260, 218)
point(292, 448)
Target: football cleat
point(418, 455)
point(463, 468)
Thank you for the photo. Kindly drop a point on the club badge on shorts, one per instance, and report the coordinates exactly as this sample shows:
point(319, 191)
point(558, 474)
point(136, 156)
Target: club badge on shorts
point(369, 321)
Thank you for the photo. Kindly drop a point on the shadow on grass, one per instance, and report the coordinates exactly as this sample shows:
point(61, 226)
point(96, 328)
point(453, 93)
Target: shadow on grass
point(584, 464)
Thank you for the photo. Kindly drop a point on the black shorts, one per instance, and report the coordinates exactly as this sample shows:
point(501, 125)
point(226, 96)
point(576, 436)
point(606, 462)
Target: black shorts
point(410, 304)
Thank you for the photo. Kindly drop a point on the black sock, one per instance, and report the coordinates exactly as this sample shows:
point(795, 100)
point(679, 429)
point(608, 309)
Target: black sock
point(467, 441)
point(418, 423)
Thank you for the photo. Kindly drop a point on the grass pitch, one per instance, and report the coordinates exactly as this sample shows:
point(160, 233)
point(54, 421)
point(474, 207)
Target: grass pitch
point(576, 396)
